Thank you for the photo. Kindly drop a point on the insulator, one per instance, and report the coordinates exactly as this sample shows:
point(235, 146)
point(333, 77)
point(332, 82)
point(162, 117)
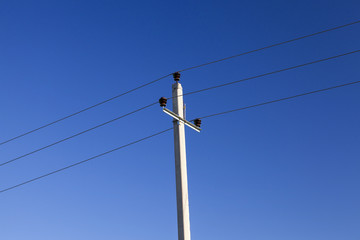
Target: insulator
point(163, 101)
point(197, 122)
point(176, 76)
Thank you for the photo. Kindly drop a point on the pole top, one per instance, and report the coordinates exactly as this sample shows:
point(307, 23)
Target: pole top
point(176, 76)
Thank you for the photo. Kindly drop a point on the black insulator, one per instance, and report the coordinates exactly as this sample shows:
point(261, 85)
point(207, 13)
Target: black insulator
point(176, 76)
point(197, 122)
point(163, 101)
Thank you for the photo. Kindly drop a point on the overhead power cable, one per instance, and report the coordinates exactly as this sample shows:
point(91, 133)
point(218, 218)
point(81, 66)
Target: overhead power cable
point(197, 91)
point(280, 99)
point(83, 110)
point(75, 135)
point(270, 73)
point(186, 69)
point(158, 133)
point(271, 46)
point(83, 161)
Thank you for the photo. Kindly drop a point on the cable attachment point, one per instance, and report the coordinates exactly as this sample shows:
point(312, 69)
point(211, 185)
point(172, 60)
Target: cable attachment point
point(197, 122)
point(176, 76)
point(163, 101)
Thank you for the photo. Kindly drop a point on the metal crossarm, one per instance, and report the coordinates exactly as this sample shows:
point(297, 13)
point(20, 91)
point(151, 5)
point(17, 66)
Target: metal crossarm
point(187, 123)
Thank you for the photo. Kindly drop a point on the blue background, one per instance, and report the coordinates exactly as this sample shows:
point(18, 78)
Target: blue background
point(283, 171)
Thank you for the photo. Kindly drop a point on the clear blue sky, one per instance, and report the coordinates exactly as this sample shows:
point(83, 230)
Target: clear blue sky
point(284, 171)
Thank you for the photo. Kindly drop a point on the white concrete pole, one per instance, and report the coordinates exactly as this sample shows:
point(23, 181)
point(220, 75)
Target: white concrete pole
point(182, 198)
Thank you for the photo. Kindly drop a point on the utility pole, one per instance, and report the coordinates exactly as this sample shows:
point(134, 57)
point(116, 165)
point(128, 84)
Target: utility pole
point(182, 199)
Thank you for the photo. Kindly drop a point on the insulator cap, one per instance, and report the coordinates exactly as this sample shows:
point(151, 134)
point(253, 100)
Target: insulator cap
point(197, 122)
point(176, 76)
point(163, 101)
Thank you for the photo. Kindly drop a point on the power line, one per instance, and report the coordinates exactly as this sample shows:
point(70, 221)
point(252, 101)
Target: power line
point(273, 72)
point(158, 133)
point(186, 69)
point(77, 134)
point(280, 99)
point(270, 46)
point(83, 110)
point(83, 161)
point(197, 91)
